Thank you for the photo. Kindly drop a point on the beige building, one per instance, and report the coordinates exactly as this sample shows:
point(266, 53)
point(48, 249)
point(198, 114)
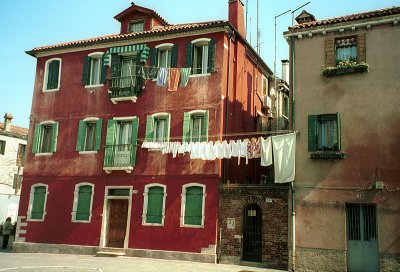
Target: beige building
point(346, 93)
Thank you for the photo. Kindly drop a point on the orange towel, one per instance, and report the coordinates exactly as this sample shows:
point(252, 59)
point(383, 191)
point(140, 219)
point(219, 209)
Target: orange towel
point(173, 79)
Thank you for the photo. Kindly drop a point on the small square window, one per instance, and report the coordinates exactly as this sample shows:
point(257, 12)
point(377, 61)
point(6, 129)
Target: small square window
point(324, 132)
point(346, 49)
point(2, 147)
point(137, 26)
point(45, 138)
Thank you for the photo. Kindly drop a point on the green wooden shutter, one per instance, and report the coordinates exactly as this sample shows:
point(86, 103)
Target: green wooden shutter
point(211, 55)
point(80, 143)
point(110, 142)
point(83, 206)
point(39, 197)
point(174, 56)
point(149, 128)
point(86, 71)
point(36, 138)
point(186, 127)
point(155, 199)
point(139, 79)
point(338, 124)
point(194, 206)
point(168, 127)
point(53, 74)
point(204, 128)
point(54, 137)
point(115, 64)
point(103, 74)
point(189, 55)
point(135, 127)
point(153, 56)
point(97, 143)
point(312, 132)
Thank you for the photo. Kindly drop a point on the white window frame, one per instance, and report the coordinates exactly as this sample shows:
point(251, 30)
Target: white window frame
point(46, 72)
point(145, 203)
point(135, 22)
point(183, 205)
point(86, 120)
point(196, 112)
point(204, 66)
point(31, 198)
point(162, 115)
point(264, 81)
point(94, 55)
point(49, 122)
point(162, 47)
point(75, 203)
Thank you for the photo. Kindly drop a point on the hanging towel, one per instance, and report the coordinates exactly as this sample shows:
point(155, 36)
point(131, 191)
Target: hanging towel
point(150, 72)
point(266, 151)
point(173, 79)
point(284, 147)
point(162, 76)
point(185, 74)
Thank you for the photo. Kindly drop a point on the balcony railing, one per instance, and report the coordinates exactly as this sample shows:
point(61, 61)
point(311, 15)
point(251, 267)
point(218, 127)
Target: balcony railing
point(119, 157)
point(122, 88)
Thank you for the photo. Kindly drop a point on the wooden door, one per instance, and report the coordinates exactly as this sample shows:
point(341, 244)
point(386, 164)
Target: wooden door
point(117, 219)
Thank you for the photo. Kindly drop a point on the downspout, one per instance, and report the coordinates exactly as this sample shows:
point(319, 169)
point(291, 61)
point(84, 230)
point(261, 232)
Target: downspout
point(292, 185)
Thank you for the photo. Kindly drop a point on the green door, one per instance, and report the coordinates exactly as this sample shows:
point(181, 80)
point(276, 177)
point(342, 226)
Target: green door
point(362, 238)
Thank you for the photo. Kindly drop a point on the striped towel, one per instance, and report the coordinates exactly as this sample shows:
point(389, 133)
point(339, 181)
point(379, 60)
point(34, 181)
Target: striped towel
point(162, 76)
point(173, 79)
point(185, 74)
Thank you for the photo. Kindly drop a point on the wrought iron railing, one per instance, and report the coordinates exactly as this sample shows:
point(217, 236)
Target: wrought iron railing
point(121, 155)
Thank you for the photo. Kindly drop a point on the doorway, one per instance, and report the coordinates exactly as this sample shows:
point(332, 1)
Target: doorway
point(117, 219)
point(252, 236)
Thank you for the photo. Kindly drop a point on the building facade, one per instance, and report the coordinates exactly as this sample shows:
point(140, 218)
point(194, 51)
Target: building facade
point(345, 91)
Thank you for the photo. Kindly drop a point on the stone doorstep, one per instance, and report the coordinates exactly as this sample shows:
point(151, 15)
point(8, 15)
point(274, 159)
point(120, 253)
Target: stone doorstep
point(110, 254)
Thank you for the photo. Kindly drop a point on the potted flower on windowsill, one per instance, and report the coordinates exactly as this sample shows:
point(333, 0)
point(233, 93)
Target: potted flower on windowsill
point(345, 67)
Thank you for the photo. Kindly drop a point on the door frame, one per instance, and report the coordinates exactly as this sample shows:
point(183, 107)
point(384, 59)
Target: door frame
point(258, 218)
point(106, 211)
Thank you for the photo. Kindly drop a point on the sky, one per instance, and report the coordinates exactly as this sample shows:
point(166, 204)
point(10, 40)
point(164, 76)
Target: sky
point(28, 24)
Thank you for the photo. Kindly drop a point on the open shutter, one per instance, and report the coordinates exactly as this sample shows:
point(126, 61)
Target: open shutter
point(330, 56)
point(135, 128)
point(168, 127)
point(174, 56)
point(149, 129)
point(312, 132)
point(86, 71)
point(189, 55)
point(204, 128)
point(138, 76)
point(110, 142)
point(36, 139)
point(362, 49)
point(80, 143)
point(338, 124)
point(54, 137)
point(84, 199)
point(186, 127)
point(97, 143)
point(39, 196)
point(211, 55)
point(115, 64)
point(103, 74)
point(153, 56)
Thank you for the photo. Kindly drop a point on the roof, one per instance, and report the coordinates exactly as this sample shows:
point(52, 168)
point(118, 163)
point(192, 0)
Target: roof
point(348, 18)
point(140, 9)
point(15, 131)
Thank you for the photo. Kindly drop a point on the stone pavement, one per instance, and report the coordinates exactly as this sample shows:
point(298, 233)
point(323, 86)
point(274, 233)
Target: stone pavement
point(25, 262)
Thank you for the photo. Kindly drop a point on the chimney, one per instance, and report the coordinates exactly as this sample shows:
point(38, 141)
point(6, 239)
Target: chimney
point(285, 70)
point(236, 16)
point(7, 121)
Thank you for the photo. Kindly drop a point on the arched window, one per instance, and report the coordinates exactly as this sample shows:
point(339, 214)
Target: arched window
point(52, 75)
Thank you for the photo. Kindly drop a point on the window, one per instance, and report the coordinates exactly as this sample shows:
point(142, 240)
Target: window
point(82, 206)
point(89, 135)
point(193, 203)
point(324, 132)
point(154, 204)
point(285, 106)
point(94, 72)
point(164, 55)
point(265, 90)
point(195, 126)
point(2, 147)
point(351, 48)
point(136, 26)
point(157, 127)
point(37, 202)
point(45, 137)
point(346, 49)
point(52, 75)
point(200, 55)
point(21, 154)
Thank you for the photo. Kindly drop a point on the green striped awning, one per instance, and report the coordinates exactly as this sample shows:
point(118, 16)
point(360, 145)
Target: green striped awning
point(125, 49)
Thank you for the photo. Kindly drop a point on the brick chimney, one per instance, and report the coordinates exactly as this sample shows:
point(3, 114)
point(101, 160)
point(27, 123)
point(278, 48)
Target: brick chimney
point(7, 121)
point(236, 16)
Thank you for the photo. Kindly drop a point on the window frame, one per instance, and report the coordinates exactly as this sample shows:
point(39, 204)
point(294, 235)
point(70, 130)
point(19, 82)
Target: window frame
point(31, 201)
point(2, 147)
point(98, 129)
point(151, 128)
point(98, 56)
point(135, 22)
point(264, 85)
point(75, 203)
point(204, 43)
point(46, 75)
point(188, 130)
point(336, 48)
point(146, 202)
point(38, 146)
point(183, 205)
point(164, 47)
point(314, 122)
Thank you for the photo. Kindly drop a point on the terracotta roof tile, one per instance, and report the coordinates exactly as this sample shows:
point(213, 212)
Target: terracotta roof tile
point(352, 17)
point(18, 131)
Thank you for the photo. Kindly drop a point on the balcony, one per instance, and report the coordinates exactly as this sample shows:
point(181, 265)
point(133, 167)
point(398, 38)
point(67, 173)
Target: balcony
point(119, 157)
point(123, 88)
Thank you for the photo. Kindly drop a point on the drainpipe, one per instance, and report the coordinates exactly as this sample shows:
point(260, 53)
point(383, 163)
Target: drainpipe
point(292, 82)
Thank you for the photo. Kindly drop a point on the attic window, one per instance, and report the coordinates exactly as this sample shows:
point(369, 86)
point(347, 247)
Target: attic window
point(136, 26)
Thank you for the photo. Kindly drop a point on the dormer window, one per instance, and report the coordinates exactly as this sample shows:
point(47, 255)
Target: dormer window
point(136, 26)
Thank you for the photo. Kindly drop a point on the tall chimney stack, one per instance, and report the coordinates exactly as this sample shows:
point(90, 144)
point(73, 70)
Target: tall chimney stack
point(236, 16)
point(7, 121)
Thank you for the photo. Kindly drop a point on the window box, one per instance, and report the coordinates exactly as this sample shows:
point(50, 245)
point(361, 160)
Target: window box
point(328, 156)
point(345, 67)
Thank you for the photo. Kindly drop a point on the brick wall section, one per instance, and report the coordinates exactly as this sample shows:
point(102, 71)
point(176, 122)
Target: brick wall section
point(362, 49)
point(330, 60)
point(233, 201)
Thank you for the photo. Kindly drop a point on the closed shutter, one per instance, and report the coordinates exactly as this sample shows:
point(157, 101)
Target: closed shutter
point(83, 206)
point(54, 137)
point(211, 55)
point(53, 74)
point(80, 143)
point(103, 74)
point(155, 199)
point(86, 71)
point(39, 196)
point(174, 56)
point(362, 49)
point(330, 58)
point(139, 80)
point(97, 143)
point(186, 127)
point(110, 142)
point(312, 132)
point(204, 128)
point(338, 124)
point(135, 127)
point(36, 138)
point(153, 56)
point(149, 129)
point(194, 206)
point(189, 55)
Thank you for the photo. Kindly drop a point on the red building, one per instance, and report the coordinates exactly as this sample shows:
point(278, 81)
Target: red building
point(96, 176)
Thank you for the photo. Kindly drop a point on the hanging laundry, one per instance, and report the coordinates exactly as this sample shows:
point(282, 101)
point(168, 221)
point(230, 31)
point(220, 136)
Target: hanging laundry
point(244, 150)
point(184, 76)
point(162, 76)
point(173, 79)
point(254, 148)
point(284, 148)
point(210, 151)
point(266, 151)
point(195, 151)
point(226, 149)
point(149, 72)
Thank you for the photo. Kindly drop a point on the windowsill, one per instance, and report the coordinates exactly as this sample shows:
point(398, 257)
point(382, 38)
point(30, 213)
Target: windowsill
point(44, 154)
point(81, 221)
point(120, 99)
point(51, 90)
point(192, 226)
point(343, 70)
point(109, 169)
point(94, 86)
point(200, 75)
point(35, 220)
point(327, 155)
point(153, 224)
point(88, 152)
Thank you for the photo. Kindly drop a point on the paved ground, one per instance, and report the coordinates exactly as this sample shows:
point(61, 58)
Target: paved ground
point(25, 262)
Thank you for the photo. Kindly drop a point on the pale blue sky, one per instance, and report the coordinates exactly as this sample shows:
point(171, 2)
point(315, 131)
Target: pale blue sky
point(28, 24)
